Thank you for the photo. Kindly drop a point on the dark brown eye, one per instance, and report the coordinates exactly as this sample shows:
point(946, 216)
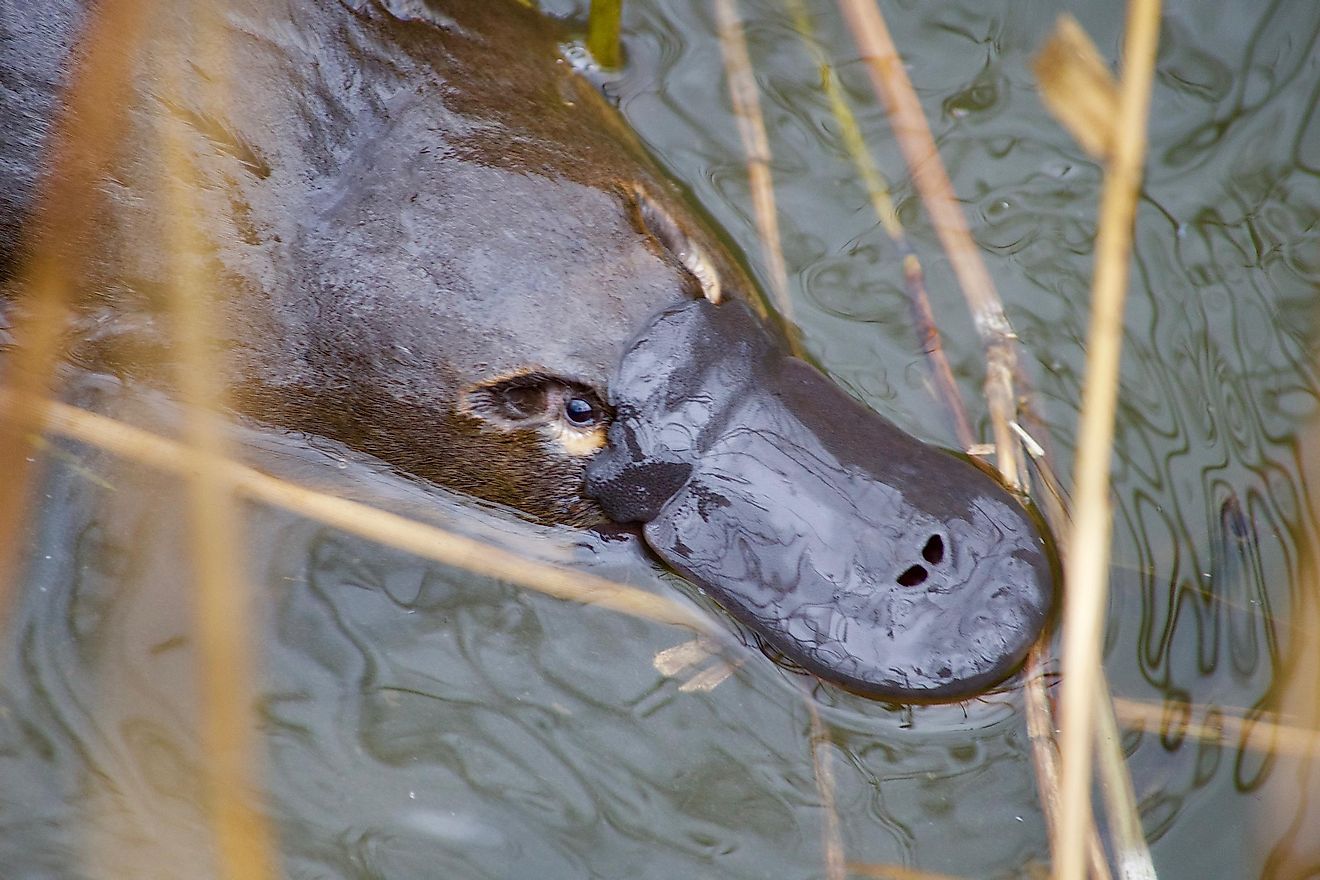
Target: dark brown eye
point(580, 411)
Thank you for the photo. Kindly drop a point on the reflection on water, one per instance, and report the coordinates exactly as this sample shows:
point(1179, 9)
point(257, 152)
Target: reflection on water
point(421, 723)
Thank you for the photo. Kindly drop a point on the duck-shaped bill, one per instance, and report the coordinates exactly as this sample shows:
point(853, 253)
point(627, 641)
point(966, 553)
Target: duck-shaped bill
point(880, 563)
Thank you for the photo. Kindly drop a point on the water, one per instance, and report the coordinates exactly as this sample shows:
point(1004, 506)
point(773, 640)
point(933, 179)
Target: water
point(420, 723)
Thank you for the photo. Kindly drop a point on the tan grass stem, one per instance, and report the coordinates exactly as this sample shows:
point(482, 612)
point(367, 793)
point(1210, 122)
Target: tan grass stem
point(1132, 857)
point(82, 138)
point(1087, 565)
point(823, 767)
point(1275, 735)
point(894, 872)
point(756, 147)
point(1045, 755)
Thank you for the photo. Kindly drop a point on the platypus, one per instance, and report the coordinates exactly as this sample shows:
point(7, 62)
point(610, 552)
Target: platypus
point(433, 240)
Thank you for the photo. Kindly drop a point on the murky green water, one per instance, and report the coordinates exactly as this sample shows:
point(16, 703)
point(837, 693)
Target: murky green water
point(420, 723)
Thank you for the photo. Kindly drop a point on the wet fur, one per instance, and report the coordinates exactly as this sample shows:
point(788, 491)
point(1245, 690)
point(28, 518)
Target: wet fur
point(401, 202)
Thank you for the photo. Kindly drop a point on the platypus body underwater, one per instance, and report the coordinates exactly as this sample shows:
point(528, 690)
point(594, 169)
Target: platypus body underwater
point(434, 241)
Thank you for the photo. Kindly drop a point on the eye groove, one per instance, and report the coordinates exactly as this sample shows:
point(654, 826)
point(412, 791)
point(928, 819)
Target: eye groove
point(933, 552)
point(529, 399)
point(912, 576)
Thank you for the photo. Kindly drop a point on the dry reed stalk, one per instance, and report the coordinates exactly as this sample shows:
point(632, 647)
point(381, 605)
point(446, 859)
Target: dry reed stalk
point(82, 138)
point(387, 529)
point(1132, 856)
point(1086, 568)
point(245, 844)
point(603, 22)
point(1281, 738)
point(756, 146)
point(1051, 497)
point(918, 146)
point(877, 189)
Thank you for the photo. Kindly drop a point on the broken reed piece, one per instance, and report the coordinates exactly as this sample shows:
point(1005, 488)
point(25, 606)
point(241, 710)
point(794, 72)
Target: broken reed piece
point(1077, 87)
point(689, 656)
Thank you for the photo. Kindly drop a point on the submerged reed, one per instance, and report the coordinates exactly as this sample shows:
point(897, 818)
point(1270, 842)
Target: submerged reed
point(603, 24)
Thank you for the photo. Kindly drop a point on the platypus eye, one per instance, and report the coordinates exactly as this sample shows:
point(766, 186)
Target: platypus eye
point(580, 411)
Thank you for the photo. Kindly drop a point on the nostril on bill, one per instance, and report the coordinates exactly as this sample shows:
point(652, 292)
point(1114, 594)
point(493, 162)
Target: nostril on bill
point(933, 552)
point(912, 576)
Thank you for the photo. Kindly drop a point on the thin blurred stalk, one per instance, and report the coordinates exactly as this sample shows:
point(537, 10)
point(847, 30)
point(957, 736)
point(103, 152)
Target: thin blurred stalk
point(1087, 565)
point(914, 139)
point(823, 767)
point(603, 22)
point(82, 139)
point(756, 145)
point(877, 189)
point(386, 529)
point(222, 595)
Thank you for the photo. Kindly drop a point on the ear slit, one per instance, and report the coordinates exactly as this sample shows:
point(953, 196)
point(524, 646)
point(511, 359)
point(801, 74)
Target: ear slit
point(513, 401)
point(652, 219)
